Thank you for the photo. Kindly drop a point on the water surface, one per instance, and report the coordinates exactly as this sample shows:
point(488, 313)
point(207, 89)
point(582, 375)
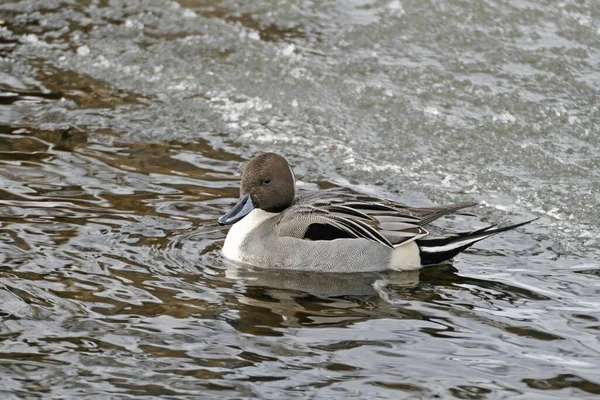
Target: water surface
point(124, 126)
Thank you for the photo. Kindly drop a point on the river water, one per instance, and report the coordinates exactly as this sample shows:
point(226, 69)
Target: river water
point(124, 126)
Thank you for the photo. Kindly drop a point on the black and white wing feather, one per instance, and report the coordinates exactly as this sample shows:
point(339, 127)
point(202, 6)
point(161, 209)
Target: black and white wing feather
point(329, 215)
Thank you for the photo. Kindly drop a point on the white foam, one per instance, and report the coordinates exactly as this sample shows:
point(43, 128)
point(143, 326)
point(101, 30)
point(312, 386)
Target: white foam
point(288, 50)
point(83, 50)
point(187, 13)
point(505, 118)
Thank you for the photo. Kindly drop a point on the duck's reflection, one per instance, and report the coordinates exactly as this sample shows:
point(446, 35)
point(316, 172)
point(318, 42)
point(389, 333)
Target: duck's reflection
point(321, 284)
point(301, 298)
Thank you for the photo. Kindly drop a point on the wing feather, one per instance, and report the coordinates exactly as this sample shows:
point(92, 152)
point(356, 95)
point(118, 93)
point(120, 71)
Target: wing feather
point(347, 215)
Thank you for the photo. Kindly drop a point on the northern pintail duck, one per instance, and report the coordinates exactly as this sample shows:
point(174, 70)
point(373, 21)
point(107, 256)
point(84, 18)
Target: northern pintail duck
point(331, 230)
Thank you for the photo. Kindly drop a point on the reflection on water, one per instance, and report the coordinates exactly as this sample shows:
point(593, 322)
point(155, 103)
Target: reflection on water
point(123, 130)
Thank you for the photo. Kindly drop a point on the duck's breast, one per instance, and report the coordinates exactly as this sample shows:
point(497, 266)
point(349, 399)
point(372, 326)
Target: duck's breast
point(244, 230)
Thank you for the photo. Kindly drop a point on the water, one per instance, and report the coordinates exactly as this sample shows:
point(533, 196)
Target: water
point(124, 126)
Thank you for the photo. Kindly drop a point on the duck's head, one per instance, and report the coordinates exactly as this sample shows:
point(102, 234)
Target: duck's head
point(268, 183)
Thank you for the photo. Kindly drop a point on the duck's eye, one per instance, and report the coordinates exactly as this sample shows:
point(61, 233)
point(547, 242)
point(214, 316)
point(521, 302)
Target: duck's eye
point(267, 181)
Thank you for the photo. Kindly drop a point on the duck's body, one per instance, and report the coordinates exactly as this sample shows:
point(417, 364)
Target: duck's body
point(257, 242)
point(332, 230)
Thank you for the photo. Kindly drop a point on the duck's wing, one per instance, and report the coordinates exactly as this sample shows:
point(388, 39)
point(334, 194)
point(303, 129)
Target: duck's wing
point(328, 215)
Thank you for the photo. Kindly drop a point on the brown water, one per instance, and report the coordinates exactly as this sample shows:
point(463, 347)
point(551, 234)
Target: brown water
point(124, 126)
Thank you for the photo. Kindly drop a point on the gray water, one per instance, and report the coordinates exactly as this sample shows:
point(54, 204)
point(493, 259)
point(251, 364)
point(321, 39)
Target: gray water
point(124, 126)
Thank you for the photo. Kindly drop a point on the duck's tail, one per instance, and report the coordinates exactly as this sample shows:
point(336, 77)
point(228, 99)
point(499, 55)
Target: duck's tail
point(435, 250)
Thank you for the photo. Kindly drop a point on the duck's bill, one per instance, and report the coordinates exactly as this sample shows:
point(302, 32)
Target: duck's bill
point(239, 211)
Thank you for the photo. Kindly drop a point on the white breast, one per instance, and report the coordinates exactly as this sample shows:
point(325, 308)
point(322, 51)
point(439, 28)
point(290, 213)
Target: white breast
point(240, 230)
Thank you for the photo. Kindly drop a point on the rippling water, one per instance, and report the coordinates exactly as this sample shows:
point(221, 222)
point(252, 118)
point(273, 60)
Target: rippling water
point(124, 126)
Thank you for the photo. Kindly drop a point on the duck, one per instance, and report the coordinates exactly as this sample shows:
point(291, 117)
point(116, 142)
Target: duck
point(334, 230)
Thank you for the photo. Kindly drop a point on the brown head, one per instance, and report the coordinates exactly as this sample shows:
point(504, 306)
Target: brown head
point(268, 183)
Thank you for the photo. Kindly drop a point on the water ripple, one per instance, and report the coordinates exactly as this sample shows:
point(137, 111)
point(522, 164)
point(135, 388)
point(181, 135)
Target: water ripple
point(123, 130)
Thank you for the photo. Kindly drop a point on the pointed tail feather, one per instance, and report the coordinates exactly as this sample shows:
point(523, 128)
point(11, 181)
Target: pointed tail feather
point(437, 250)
